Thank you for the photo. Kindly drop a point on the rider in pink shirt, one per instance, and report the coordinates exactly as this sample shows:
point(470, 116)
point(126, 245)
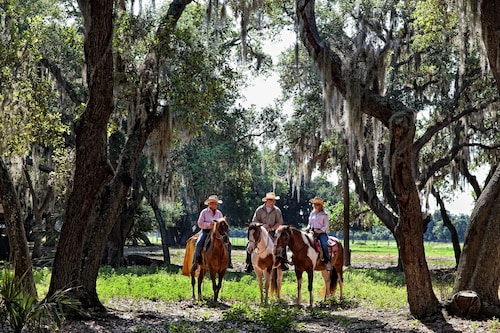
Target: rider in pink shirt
point(205, 222)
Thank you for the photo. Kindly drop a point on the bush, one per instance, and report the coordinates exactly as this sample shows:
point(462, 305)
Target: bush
point(20, 309)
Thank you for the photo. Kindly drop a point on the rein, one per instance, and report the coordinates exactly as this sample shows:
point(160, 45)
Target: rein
point(288, 241)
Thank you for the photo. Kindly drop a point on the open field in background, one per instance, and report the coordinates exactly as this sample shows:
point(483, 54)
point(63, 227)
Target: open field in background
point(371, 253)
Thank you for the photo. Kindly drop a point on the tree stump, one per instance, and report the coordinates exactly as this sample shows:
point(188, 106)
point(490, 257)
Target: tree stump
point(465, 304)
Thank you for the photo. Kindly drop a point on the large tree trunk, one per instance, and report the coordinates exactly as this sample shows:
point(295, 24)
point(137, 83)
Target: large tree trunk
point(15, 230)
point(106, 212)
point(108, 205)
point(92, 170)
point(409, 229)
point(401, 123)
point(479, 267)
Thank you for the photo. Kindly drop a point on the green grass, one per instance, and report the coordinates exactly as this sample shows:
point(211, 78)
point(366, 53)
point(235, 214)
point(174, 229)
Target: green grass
point(381, 288)
point(377, 289)
point(438, 254)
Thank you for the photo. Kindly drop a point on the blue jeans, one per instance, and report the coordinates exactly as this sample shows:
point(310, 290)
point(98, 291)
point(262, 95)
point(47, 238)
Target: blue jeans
point(199, 243)
point(323, 239)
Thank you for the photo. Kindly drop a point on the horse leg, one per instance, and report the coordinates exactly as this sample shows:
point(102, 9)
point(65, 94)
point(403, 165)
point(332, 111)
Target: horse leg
point(268, 278)
point(215, 287)
point(326, 279)
point(279, 280)
point(258, 273)
point(340, 280)
point(310, 275)
point(201, 276)
point(193, 282)
point(299, 286)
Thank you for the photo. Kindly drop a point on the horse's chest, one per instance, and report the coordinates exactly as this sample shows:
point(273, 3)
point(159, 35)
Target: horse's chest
point(265, 261)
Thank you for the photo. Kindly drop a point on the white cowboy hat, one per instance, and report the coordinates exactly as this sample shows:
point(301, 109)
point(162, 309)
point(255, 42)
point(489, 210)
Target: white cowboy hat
point(270, 195)
point(213, 198)
point(317, 200)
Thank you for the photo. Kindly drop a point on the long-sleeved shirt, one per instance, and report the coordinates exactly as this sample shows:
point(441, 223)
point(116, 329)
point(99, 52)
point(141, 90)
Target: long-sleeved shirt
point(272, 217)
point(318, 221)
point(207, 216)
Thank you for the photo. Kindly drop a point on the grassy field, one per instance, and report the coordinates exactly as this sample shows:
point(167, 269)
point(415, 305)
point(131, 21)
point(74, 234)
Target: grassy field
point(362, 285)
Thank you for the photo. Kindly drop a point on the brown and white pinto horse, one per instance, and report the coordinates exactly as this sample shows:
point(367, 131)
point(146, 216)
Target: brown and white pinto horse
point(215, 258)
point(307, 259)
point(261, 248)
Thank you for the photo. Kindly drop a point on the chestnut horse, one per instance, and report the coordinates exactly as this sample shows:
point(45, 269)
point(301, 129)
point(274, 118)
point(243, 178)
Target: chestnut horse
point(261, 248)
point(307, 259)
point(215, 258)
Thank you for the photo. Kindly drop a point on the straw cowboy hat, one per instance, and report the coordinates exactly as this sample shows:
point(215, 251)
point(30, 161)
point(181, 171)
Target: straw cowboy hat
point(317, 200)
point(270, 195)
point(213, 198)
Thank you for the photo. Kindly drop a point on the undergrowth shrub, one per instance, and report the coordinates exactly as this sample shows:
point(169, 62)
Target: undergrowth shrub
point(19, 309)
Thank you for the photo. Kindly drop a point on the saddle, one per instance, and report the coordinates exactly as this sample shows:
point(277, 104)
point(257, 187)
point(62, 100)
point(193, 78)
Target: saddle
point(333, 245)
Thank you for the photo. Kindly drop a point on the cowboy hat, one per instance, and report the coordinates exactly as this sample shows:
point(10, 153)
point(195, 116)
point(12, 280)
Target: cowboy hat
point(317, 200)
point(270, 195)
point(212, 198)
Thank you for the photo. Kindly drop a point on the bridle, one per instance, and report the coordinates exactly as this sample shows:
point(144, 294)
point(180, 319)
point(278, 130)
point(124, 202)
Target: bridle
point(257, 240)
point(287, 235)
point(217, 233)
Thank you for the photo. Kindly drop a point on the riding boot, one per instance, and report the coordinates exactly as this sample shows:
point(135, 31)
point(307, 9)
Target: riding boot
point(284, 260)
point(196, 257)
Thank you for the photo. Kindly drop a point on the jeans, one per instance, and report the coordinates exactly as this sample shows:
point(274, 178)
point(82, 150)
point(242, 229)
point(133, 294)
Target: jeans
point(323, 239)
point(200, 242)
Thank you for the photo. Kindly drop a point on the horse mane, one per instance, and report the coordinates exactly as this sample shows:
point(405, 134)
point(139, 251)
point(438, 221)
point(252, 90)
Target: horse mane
point(308, 237)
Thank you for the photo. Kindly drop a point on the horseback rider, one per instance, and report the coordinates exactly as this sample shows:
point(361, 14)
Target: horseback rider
point(271, 218)
point(206, 222)
point(318, 224)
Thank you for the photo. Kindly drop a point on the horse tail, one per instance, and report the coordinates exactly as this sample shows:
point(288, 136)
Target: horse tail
point(188, 256)
point(333, 280)
point(274, 282)
point(339, 261)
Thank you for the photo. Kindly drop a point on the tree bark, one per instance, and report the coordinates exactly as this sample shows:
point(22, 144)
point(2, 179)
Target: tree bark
point(479, 267)
point(15, 230)
point(92, 169)
point(409, 229)
point(106, 207)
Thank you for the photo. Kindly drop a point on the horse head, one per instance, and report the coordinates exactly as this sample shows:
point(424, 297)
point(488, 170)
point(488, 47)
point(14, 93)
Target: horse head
point(254, 234)
point(221, 228)
point(281, 238)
